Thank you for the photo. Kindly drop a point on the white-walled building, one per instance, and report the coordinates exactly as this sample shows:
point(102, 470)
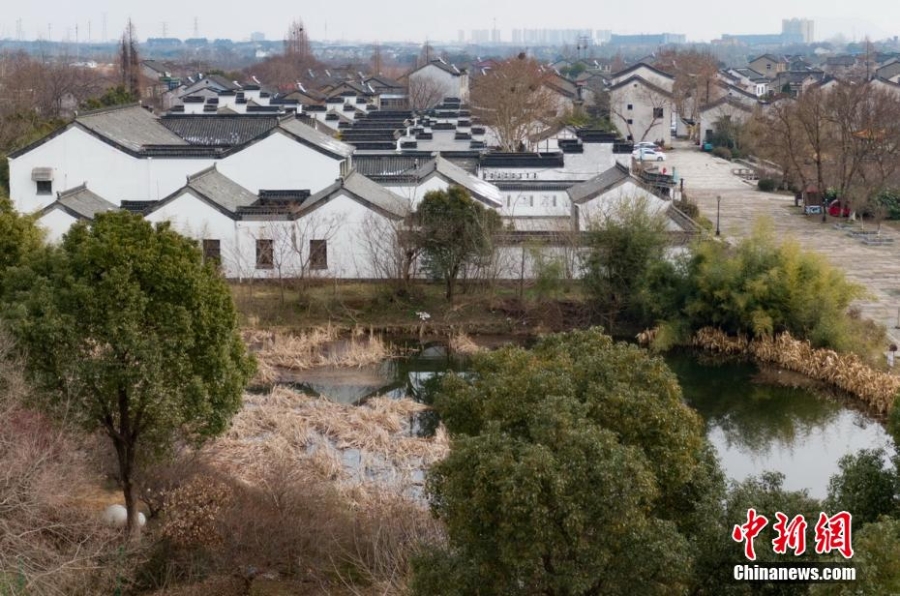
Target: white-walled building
point(641, 110)
point(272, 197)
point(445, 79)
point(128, 154)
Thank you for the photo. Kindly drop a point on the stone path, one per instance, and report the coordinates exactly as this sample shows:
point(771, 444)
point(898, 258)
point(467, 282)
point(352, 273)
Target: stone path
point(875, 267)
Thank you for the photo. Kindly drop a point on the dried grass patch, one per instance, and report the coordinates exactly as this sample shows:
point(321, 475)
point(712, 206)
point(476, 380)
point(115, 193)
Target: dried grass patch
point(318, 347)
point(460, 343)
point(355, 445)
point(845, 371)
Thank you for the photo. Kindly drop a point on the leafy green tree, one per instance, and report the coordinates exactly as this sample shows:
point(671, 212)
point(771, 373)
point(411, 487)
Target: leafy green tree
point(766, 494)
point(575, 468)
point(865, 486)
point(19, 236)
point(130, 332)
point(876, 559)
point(114, 96)
point(627, 251)
point(455, 233)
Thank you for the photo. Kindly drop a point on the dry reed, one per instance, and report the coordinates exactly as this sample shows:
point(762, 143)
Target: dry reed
point(354, 445)
point(460, 343)
point(845, 371)
point(318, 347)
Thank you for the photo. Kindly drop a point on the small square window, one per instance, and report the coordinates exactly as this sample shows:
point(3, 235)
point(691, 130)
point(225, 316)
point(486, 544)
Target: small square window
point(318, 255)
point(657, 112)
point(265, 255)
point(630, 107)
point(45, 187)
point(212, 251)
point(629, 121)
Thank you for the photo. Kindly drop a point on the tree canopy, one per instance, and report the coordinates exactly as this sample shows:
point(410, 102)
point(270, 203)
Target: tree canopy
point(575, 468)
point(513, 99)
point(455, 233)
point(129, 331)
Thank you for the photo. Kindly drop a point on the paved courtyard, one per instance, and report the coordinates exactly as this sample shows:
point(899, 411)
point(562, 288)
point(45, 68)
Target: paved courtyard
point(875, 267)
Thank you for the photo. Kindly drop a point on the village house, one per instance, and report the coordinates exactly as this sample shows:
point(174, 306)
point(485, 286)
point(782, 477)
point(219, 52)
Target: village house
point(769, 65)
point(446, 80)
point(128, 154)
point(641, 110)
point(269, 196)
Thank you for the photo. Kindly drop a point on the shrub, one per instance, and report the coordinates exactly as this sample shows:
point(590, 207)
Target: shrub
point(736, 153)
point(722, 152)
point(766, 184)
point(762, 287)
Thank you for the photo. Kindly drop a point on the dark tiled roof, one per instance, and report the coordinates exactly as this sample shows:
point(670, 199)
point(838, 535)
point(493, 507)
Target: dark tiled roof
point(214, 188)
point(220, 130)
point(599, 184)
point(310, 136)
point(643, 81)
point(362, 189)
point(81, 203)
point(638, 66)
point(131, 127)
point(220, 189)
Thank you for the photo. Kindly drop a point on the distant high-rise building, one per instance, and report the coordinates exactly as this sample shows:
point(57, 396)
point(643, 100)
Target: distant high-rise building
point(480, 36)
point(647, 39)
point(495, 35)
point(517, 37)
point(798, 30)
point(257, 36)
point(461, 36)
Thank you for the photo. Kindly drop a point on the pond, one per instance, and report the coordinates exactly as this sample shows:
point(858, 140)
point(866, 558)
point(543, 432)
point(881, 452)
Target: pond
point(755, 426)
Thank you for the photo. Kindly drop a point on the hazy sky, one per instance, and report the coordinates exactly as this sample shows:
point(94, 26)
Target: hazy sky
point(415, 20)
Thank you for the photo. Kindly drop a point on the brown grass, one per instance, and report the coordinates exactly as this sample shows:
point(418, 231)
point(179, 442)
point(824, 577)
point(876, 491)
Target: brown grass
point(844, 371)
point(52, 540)
point(460, 343)
point(320, 435)
point(321, 346)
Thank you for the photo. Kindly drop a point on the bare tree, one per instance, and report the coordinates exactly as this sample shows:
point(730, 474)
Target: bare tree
point(376, 61)
point(645, 95)
point(812, 114)
point(514, 101)
point(696, 83)
point(296, 43)
point(424, 93)
point(393, 248)
point(130, 61)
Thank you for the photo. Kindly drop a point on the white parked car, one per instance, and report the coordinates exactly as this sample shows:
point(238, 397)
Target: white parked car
point(648, 155)
point(647, 145)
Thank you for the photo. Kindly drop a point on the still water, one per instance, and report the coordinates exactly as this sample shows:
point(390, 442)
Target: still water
point(754, 426)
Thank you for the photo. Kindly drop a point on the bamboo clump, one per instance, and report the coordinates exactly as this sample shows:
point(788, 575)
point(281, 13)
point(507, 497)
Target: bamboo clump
point(845, 371)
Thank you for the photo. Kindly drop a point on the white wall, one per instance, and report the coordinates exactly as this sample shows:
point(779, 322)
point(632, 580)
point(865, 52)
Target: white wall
point(450, 85)
point(607, 204)
point(644, 126)
point(56, 223)
point(199, 220)
point(78, 157)
point(278, 162)
point(647, 74)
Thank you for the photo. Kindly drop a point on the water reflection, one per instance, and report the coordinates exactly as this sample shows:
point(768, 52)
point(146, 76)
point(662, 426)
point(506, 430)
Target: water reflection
point(754, 427)
point(758, 427)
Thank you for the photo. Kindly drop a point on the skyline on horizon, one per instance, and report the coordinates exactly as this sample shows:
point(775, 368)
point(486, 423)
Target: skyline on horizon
point(101, 20)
